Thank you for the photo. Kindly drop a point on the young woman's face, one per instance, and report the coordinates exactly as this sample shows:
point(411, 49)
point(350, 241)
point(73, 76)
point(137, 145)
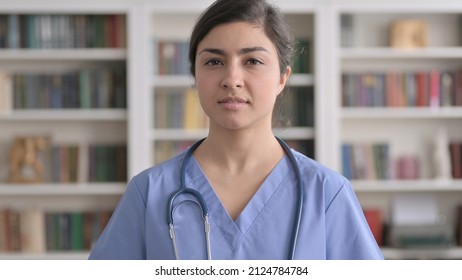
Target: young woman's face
point(238, 76)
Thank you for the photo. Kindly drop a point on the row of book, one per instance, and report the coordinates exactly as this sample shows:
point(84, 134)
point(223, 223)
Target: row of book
point(37, 231)
point(398, 89)
point(65, 166)
point(86, 88)
point(44, 31)
point(172, 57)
point(366, 161)
point(178, 108)
point(107, 163)
point(372, 161)
point(298, 106)
point(455, 151)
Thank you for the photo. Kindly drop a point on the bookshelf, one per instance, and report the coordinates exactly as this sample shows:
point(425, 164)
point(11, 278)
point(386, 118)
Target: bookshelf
point(361, 51)
point(326, 125)
point(64, 42)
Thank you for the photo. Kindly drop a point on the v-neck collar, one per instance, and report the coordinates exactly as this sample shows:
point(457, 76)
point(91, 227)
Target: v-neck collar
point(234, 231)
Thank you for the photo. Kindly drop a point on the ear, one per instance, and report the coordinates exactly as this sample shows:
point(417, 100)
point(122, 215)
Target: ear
point(284, 78)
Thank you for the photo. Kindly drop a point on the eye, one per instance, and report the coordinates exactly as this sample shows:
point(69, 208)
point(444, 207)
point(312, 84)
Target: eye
point(213, 62)
point(253, 61)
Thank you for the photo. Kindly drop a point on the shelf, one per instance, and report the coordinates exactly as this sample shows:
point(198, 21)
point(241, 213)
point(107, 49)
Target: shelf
point(407, 186)
point(63, 54)
point(172, 81)
point(54, 189)
point(188, 81)
point(293, 133)
point(427, 253)
point(401, 113)
point(301, 80)
point(392, 53)
point(178, 134)
point(65, 115)
point(45, 256)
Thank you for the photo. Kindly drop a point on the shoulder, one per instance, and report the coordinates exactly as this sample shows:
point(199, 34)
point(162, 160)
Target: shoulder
point(318, 171)
point(321, 179)
point(163, 174)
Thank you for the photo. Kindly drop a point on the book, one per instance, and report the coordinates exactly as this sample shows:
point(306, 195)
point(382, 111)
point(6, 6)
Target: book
point(77, 231)
point(347, 30)
point(407, 167)
point(375, 222)
point(369, 161)
point(84, 88)
point(107, 163)
point(434, 89)
point(6, 92)
point(455, 150)
point(194, 116)
point(3, 31)
point(13, 32)
point(32, 231)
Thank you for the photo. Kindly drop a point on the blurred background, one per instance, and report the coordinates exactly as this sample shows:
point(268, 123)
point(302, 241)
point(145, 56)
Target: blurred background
point(93, 92)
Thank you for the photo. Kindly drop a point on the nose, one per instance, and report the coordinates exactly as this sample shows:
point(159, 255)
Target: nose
point(233, 77)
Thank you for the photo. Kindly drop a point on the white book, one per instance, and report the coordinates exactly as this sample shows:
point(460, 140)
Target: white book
point(6, 92)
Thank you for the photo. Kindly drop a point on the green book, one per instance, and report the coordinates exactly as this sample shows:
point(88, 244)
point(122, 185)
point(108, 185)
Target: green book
point(77, 240)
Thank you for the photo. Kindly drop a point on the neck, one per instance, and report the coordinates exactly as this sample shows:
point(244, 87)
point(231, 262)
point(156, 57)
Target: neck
point(238, 151)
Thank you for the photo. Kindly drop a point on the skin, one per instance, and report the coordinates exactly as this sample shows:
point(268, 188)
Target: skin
point(238, 78)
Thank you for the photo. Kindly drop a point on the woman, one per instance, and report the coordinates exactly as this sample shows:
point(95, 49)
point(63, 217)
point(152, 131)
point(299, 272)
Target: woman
point(240, 53)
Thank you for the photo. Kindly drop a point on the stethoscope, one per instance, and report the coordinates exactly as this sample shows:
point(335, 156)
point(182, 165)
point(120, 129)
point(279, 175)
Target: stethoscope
point(205, 211)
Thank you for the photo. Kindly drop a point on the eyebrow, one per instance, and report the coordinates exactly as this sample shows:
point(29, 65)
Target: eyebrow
point(241, 51)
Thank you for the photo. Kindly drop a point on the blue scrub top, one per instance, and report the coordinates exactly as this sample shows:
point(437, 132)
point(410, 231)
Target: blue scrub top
point(332, 226)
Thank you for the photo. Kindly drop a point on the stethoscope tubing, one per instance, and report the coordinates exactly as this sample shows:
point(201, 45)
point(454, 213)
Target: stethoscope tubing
point(205, 211)
point(299, 208)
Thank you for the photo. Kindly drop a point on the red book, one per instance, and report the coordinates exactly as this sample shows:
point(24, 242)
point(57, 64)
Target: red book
point(374, 219)
point(434, 89)
point(456, 159)
point(421, 90)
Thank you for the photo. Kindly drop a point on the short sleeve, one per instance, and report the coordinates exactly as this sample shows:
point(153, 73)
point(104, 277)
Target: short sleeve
point(124, 235)
point(348, 234)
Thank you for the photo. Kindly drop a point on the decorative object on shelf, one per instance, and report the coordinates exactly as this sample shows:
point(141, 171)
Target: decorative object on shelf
point(441, 155)
point(408, 34)
point(25, 166)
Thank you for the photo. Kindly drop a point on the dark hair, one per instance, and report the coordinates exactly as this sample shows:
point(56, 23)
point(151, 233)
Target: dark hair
point(258, 12)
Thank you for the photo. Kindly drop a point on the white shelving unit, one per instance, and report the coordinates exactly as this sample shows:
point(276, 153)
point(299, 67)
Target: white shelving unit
point(407, 130)
point(81, 127)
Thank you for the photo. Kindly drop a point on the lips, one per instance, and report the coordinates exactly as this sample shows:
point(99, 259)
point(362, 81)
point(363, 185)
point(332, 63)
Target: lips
point(232, 99)
point(233, 103)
